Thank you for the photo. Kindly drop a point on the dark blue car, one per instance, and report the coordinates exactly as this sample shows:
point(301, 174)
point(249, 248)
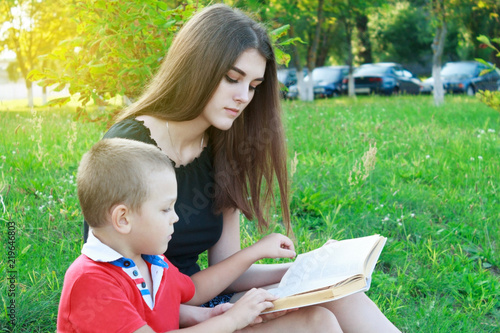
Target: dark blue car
point(327, 82)
point(463, 77)
point(385, 78)
point(288, 77)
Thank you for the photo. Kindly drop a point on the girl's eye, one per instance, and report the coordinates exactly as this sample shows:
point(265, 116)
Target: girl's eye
point(230, 80)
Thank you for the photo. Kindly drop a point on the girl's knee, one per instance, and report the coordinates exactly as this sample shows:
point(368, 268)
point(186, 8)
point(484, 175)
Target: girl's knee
point(320, 319)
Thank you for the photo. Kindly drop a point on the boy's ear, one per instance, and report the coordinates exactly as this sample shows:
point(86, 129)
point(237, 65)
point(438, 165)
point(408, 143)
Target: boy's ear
point(120, 218)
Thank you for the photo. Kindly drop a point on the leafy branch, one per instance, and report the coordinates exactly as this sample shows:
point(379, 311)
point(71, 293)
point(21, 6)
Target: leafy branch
point(490, 98)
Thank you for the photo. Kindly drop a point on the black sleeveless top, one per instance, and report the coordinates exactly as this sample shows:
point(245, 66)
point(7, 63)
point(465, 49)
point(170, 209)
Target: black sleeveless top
point(198, 227)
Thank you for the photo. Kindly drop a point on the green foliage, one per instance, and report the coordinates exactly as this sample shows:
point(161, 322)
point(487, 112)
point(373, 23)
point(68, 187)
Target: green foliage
point(400, 32)
point(490, 98)
point(31, 29)
point(120, 44)
point(282, 57)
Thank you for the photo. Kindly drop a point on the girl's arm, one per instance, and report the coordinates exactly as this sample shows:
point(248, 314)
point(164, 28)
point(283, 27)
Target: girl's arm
point(230, 262)
point(258, 275)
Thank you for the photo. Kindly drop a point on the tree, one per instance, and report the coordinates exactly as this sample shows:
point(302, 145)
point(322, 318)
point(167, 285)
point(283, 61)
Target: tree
point(119, 45)
point(313, 50)
point(348, 13)
point(365, 52)
point(301, 17)
point(401, 33)
point(32, 29)
point(490, 98)
point(457, 12)
point(483, 18)
point(438, 8)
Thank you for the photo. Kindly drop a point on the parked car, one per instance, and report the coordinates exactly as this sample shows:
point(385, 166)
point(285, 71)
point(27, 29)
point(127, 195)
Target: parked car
point(464, 77)
point(327, 82)
point(288, 77)
point(384, 78)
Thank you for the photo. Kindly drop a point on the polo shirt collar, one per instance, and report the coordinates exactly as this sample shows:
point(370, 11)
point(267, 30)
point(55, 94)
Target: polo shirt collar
point(100, 252)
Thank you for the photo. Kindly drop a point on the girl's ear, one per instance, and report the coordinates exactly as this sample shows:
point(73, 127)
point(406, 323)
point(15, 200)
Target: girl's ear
point(120, 219)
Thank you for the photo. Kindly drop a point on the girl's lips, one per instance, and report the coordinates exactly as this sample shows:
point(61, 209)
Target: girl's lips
point(232, 111)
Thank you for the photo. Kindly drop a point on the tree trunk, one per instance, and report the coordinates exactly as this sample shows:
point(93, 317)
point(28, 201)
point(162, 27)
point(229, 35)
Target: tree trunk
point(348, 35)
point(365, 52)
point(438, 48)
point(29, 87)
point(313, 51)
point(324, 46)
point(300, 73)
point(44, 95)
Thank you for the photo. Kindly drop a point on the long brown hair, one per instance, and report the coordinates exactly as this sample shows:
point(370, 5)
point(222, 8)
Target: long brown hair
point(251, 155)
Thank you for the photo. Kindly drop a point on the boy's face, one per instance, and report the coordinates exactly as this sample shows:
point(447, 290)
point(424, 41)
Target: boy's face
point(153, 224)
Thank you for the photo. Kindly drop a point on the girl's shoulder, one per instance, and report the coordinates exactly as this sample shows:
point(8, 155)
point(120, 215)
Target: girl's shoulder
point(132, 129)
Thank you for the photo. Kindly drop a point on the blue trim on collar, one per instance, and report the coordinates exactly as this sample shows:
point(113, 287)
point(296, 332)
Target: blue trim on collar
point(128, 263)
point(123, 262)
point(155, 260)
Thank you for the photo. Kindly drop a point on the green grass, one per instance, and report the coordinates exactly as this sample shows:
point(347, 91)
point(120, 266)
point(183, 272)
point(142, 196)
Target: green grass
point(433, 192)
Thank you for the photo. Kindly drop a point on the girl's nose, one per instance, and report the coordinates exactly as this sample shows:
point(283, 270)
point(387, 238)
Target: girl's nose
point(242, 95)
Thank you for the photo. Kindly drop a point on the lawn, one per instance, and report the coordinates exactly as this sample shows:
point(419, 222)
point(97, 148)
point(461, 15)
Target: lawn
point(427, 178)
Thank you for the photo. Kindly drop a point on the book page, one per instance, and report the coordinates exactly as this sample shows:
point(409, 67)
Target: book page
point(328, 265)
point(319, 296)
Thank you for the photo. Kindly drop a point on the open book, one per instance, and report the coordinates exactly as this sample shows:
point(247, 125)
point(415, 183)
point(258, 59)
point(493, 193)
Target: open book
point(328, 273)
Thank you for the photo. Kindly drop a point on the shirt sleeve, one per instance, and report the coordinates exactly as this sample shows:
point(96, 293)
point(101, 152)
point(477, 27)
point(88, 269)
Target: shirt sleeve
point(183, 283)
point(99, 302)
point(130, 129)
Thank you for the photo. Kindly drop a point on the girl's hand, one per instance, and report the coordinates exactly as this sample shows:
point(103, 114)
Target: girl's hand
point(274, 246)
point(277, 314)
point(220, 309)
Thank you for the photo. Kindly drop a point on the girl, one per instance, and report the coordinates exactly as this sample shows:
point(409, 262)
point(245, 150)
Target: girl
point(214, 109)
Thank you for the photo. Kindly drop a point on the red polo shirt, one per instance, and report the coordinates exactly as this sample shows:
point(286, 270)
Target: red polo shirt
point(105, 292)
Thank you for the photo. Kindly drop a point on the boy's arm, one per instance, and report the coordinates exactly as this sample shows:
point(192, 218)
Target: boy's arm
point(213, 280)
point(190, 315)
point(227, 318)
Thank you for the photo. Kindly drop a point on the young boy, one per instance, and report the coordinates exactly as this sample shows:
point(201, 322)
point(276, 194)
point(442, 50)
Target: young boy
point(122, 283)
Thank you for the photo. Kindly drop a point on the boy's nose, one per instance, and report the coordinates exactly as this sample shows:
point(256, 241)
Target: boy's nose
point(176, 218)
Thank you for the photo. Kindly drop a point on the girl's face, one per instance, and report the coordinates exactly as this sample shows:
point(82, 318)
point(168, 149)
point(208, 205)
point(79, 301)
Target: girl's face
point(236, 90)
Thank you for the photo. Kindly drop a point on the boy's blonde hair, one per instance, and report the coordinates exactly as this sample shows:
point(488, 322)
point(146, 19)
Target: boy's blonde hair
point(115, 171)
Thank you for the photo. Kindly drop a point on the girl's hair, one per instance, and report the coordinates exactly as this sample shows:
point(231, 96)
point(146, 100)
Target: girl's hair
point(117, 171)
point(251, 154)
